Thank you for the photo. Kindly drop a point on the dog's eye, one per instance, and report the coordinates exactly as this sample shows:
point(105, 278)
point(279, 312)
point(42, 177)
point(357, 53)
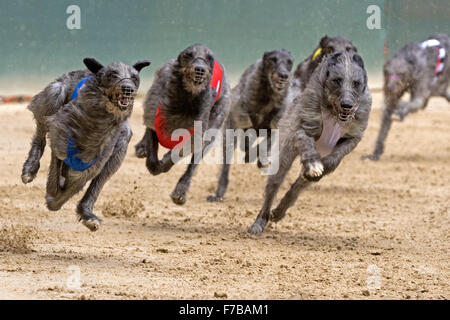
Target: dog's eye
point(274, 59)
point(356, 84)
point(209, 57)
point(337, 81)
point(348, 49)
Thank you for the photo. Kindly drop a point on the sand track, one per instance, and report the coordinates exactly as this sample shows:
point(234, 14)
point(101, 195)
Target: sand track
point(393, 214)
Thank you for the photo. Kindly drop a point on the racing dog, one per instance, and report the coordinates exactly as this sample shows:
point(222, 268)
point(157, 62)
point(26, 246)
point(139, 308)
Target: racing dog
point(323, 124)
point(191, 88)
point(327, 45)
point(258, 102)
point(85, 114)
point(423, 70)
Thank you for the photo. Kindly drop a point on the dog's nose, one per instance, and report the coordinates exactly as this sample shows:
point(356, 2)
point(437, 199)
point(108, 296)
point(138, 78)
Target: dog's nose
point(127, 89)
point(283, 75)
point(346, 105)
point(200, 70)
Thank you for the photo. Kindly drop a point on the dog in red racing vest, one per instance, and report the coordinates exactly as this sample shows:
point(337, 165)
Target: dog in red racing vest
point(191, 88)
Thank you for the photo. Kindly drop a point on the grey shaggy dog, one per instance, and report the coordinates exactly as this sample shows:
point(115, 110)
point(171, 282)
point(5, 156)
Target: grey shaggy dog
point(182, 91)
point(412, 69)
point(327, 45)
point(88, 136)
point(335, 105)
point(258, 101)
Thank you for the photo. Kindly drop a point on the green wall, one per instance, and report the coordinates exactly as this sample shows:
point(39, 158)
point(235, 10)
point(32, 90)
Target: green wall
point(36, 46)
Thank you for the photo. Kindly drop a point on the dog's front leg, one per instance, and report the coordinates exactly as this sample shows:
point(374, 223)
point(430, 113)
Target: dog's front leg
point(344, 147)
point(86, 205)
point(141, 147)
point(312, 166)
point(31, 165)
point(419, 100)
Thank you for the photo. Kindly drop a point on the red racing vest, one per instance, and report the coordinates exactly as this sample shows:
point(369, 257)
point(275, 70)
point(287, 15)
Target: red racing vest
point(164, 137)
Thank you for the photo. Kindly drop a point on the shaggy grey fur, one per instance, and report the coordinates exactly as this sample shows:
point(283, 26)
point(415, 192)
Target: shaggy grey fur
point(97, 122)
point(184, 97)
point(258, 101)
point(411, 69)
point(327, 45)
point(339, 84)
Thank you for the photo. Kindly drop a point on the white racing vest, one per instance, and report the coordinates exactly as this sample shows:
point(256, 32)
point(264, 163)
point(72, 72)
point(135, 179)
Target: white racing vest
point(440, 53)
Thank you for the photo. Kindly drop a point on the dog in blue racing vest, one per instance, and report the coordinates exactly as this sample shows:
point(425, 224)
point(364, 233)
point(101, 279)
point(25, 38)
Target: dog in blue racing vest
point(85, 114)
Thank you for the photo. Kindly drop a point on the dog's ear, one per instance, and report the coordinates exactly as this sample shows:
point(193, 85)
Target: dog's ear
point(358, 60)
point(323, 41)
point(93, 65)
point(141, 64)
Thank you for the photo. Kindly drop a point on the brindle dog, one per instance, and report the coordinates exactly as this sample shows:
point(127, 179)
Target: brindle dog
point(327, 45)
point(258, 102)
point(182, 93)
point(85, 113)
point(423, 70)
point(323, 124)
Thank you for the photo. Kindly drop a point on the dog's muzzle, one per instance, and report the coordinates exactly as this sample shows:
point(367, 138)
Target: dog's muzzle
point(125, 99)
point(346, 111)
point(199, 75)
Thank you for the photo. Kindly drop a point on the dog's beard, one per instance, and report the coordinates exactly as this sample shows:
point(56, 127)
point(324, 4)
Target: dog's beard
point(278, 84)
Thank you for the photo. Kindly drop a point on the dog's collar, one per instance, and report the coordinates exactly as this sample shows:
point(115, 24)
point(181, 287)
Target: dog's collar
point(79, 86)
point(316, 53)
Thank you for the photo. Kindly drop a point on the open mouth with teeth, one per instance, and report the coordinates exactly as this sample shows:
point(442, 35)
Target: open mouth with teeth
point(123, 101)
point(345, 114)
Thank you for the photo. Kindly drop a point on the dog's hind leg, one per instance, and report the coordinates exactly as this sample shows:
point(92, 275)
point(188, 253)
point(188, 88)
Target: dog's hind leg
point(272, 186)
point(228, 152)
point(289, 198)
point(32, 164)
point(86, 204)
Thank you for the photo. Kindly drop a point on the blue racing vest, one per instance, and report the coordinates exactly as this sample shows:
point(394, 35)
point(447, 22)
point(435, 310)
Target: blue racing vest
point(72, 160)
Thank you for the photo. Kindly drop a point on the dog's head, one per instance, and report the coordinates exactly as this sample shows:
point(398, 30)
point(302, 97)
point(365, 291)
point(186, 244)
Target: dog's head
point(329, 45)
point(277, 66)
point(119, 82)
point(196, 64)
point(397, 72)
point(344, 81)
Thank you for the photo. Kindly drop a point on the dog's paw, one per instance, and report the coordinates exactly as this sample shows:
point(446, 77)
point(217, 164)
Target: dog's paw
point(140, 151)
point(27, 178)
point(178, 198)
point(257, 227)
point(92, 224)
point(371, 157)
point(214, 199)
point(154, 168)
point(277, 215)
point(313, 170)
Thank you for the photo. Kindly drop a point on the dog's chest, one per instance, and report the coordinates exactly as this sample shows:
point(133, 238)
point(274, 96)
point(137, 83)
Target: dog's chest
point(332, 131)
